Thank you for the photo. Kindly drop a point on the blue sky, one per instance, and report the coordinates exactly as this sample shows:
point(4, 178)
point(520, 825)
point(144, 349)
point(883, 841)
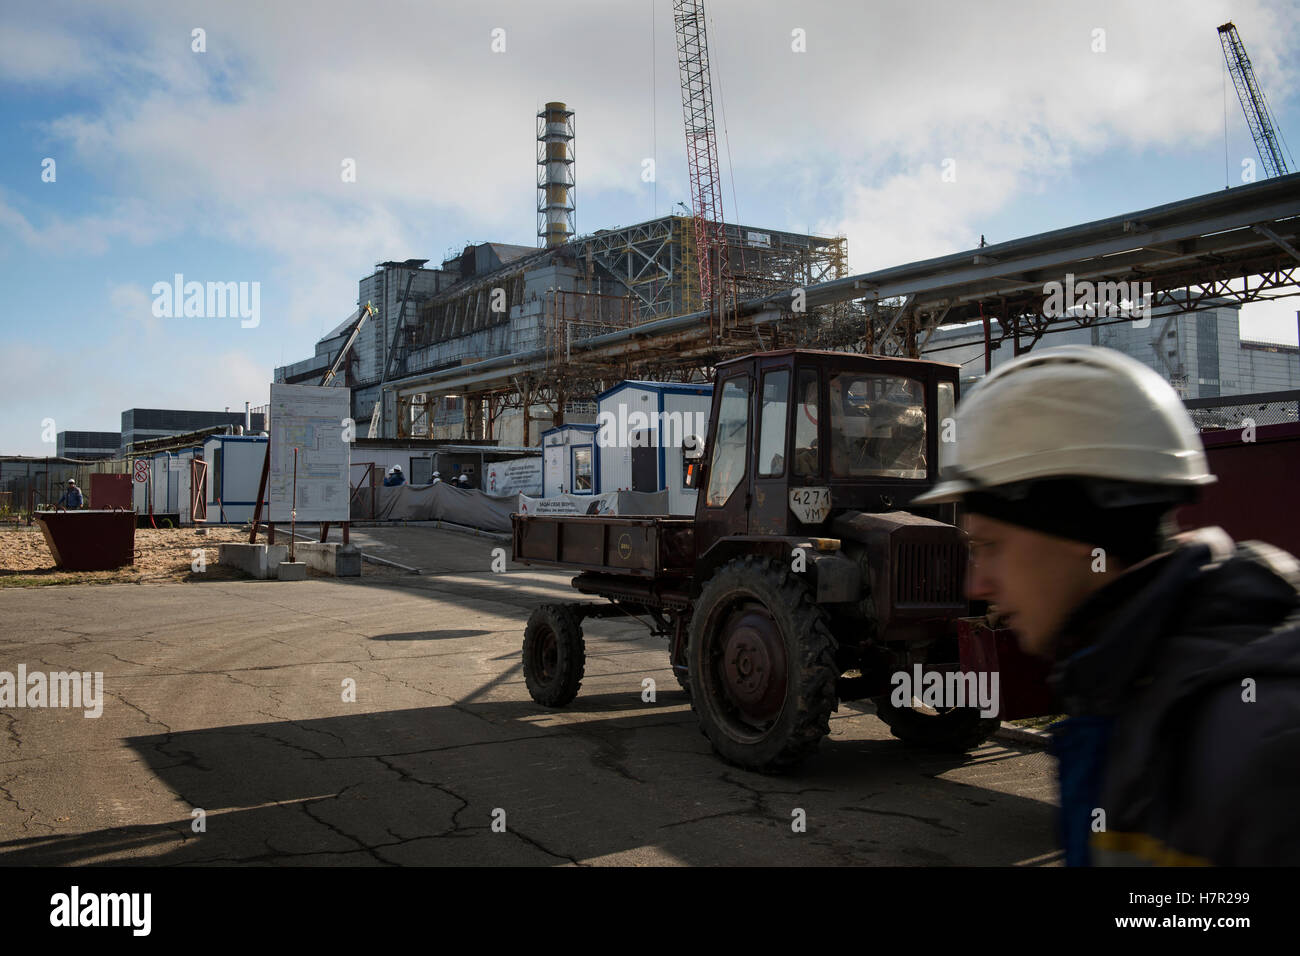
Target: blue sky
point(224, 165)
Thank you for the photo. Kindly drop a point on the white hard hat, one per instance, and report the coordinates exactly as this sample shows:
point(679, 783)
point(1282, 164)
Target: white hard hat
point(1071, 411)
point(437, 474)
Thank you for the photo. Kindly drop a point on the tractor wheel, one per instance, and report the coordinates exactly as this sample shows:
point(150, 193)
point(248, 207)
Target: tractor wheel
point(683, 678)
point(554, 655)
point(683, 681)
point(762, 666)
point(951, 729)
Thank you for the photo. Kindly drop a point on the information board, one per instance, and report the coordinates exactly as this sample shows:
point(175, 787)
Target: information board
point(310, 418)
point(519, 476)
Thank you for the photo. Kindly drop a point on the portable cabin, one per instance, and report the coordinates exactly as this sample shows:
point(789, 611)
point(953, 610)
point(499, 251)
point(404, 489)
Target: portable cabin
point(641, 427)
point(234, 471)
point(570, 464)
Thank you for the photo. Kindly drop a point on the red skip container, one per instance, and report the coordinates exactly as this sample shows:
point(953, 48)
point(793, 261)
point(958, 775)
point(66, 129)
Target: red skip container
point(89, 540)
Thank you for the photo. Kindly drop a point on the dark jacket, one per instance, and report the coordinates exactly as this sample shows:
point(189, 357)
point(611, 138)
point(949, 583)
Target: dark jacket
point(1161, 737)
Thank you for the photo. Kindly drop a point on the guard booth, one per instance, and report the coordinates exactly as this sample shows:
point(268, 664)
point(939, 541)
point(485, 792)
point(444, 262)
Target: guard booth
point(570, 464)
point(233, 473)
point(641, 427)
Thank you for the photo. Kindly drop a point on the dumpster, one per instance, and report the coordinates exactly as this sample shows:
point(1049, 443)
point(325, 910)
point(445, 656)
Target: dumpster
point(110, 491)
point(97, 540)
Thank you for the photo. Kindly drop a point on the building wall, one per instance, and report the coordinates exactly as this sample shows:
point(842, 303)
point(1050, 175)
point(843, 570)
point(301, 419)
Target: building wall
point(141, 424)
point(1200, 353)
point(88, 444)
point(383, 289)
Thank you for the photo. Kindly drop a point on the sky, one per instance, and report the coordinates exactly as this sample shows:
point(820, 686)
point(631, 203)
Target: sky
point(221, 155)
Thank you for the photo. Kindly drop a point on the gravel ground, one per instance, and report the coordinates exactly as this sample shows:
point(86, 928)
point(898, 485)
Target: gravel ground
point(163, 555)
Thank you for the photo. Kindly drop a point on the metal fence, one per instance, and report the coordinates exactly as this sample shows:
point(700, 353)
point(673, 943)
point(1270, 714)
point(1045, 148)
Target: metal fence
point(1233, 411)
point(30, 483)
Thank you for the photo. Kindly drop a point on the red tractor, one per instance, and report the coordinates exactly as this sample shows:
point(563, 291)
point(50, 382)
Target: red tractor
point(803, 579)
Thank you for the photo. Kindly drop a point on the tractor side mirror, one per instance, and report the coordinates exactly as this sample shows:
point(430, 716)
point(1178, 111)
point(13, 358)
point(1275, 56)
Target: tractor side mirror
point(692, 460)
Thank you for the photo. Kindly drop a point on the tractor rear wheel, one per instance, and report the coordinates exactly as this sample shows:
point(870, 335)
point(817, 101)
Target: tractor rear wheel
point(762, 665)
point(554, 655)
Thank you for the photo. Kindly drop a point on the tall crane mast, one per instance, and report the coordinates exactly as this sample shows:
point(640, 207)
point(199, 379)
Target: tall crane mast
point(701, 149)
point(359, 319)
point(1253, 103)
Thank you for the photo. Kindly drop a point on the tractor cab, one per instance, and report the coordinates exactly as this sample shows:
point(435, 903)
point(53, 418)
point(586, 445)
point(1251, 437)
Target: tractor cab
point(799, 436)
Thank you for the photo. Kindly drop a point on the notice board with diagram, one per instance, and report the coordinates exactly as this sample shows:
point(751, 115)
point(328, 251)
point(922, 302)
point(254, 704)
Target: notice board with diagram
point(316, 421)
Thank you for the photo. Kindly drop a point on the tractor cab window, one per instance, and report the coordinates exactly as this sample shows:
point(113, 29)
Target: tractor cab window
point(877, 426)
point(731, 442)
point(771, 427)
point(944, 420)
point(805, 424)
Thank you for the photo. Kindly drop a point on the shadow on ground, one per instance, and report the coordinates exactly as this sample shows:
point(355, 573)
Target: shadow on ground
point(422, 786)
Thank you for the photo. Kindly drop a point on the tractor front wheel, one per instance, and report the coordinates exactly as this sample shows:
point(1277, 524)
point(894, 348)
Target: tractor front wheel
point(762, 665)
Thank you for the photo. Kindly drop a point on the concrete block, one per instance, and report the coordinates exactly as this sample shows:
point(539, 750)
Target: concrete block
point(259, 560)
point(331, 558)
point(292, 571)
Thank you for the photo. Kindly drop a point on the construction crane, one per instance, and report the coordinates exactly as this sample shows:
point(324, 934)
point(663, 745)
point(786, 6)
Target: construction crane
point(359, 317)
point(701, 149)
point(1253, 103)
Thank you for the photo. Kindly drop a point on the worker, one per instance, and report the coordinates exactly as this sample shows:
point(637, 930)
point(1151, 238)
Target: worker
point(1176, 657)
point(437, 477)
point(394, 477)
point(71, 497)
point(462, 480)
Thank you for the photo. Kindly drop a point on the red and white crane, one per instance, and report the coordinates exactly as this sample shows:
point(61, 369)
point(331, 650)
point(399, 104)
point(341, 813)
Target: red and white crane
point(701, 150)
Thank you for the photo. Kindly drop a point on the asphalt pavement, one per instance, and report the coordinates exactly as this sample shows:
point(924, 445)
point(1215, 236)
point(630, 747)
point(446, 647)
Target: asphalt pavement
point(384, 720)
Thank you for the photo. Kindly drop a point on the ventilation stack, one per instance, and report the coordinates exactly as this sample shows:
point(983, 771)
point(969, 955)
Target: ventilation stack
point(555, 219)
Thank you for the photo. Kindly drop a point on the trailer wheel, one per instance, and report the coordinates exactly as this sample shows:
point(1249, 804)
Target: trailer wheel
point(762, 666)
point(554, 655)
point(953, 729)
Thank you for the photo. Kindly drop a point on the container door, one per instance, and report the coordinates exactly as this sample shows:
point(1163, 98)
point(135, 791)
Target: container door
point(645, 462)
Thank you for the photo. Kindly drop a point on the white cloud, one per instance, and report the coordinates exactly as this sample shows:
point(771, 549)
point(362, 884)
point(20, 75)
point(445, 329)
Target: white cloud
point(244, 143)
point(241, 146)
point(1272, 321)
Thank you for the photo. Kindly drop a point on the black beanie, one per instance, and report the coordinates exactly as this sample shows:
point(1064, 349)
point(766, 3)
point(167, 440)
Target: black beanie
point(1126, 519)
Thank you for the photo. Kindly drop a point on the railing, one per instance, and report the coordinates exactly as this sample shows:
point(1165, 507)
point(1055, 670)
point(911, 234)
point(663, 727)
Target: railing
point(1232, 411)
point(367, 481)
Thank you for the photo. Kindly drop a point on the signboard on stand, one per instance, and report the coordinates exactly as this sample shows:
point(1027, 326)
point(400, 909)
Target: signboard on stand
point(311, 419)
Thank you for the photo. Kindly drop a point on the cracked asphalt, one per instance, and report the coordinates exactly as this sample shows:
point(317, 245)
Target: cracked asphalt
point(227, 697)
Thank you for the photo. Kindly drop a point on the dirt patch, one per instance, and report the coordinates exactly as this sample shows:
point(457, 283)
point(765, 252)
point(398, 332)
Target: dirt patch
point(1038, 723)
point(162, 555)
